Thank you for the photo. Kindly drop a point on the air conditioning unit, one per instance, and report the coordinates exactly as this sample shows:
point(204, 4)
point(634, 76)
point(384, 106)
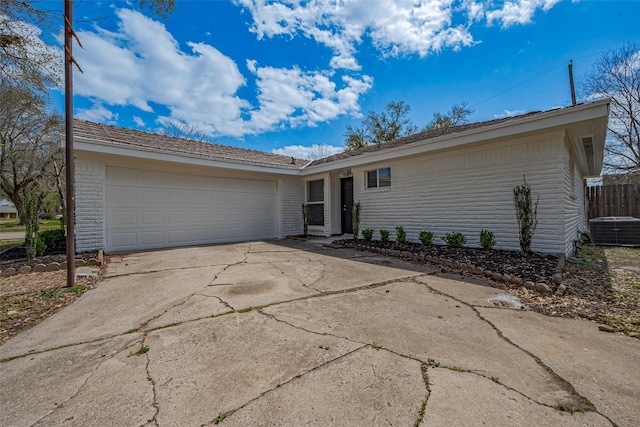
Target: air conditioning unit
point(615, 230)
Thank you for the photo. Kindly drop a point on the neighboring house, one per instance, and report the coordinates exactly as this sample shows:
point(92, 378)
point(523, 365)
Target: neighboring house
point(8, 210)
point(136, 190)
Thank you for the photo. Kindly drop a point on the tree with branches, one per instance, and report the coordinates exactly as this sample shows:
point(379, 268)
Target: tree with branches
point(393, 123)
point(456, 116)
point(616, 75)
point(381, 127)
point(30, 152)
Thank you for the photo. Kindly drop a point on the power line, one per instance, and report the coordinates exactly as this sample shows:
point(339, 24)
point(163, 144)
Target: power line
point(533, 78)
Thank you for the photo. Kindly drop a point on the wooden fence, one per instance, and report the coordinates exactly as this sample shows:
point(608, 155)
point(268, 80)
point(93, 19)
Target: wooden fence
point(614, 200)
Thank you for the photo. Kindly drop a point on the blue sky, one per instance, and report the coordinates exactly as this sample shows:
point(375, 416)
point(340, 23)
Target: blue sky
point(286, 76)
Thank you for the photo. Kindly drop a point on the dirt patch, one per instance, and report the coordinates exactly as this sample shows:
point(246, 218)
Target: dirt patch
point(604, 285)
point(28, 299)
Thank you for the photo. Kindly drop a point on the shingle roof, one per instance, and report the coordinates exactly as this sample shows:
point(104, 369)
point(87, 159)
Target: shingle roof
point(137, 138)
point(422, 136)
point(130, 137)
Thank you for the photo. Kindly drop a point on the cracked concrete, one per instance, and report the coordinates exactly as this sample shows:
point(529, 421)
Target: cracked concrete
point(291, 333)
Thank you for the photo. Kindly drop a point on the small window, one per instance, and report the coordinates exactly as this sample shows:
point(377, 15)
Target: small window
point(315, 200)
point(379, 178)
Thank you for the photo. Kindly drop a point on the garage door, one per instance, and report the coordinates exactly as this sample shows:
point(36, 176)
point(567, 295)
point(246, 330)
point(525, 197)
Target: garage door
point(155, 209)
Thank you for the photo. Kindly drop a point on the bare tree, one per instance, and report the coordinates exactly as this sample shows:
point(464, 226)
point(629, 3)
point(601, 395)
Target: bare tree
point(29, 143)
point(616, 75)
point(179, 129)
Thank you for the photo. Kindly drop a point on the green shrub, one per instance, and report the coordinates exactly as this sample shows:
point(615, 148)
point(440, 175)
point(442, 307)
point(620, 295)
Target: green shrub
point(426, 237)
point(384, 235)
point(526, 214)
point(487, 239)
point(456, 240)
point(367, 234)
point(401, 235)
point(53, 239)
point(356, 213)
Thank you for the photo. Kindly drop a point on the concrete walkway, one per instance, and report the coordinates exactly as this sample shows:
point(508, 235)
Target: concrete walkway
point(291, 333)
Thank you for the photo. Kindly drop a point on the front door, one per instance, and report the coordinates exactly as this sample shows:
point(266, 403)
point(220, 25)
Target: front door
point(346, 198)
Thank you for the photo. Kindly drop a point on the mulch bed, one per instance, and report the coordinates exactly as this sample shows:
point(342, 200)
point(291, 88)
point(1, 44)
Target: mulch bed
point(532, 267)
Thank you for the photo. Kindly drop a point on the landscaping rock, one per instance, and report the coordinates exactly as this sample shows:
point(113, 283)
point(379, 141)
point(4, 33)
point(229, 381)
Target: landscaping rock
point(557, 277)
point(93, 262)
point(516, 281)
point(80, 263)
point(24, 269)
point(38, 268)
point(496, 276)
point(606, 328)
point(561, 289)
point(54, 266)
point(9, 271)
point(488, 273)
point(529, 285)
point(506, 278)
point(542, 288)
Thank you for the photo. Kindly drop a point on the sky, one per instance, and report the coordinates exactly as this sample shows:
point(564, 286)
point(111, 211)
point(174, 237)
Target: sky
point(288, 77)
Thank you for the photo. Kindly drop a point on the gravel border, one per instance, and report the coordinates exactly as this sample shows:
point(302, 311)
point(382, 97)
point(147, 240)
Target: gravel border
point(98, 261)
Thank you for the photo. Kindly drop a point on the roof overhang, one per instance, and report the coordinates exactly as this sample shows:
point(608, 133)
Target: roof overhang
point(83, 144)
point(584, 125)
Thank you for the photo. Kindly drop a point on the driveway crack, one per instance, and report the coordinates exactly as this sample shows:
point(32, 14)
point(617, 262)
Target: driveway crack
point(584, 403)
point(290, 380)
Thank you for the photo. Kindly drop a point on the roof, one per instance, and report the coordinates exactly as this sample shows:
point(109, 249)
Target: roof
point(423, 136)
point(136, 138)
point(161, 143)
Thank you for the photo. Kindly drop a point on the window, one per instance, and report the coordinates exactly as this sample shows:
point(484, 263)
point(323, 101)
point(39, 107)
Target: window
point(379, 178)
point(315, 200)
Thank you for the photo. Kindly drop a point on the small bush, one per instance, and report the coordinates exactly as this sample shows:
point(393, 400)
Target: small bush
point(384, 235)
point(54, 240)
point(401, 235)
point(426, 237)
point(487, 240)
point(456, 240)
point(367, 234)
point(355, 219)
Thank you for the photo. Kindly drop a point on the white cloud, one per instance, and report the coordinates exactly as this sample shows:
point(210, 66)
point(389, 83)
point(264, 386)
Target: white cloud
point(395, 27)
point(141, 65)
point(316, 151)
point(98, 113)
point(515, 12)
point(138, 121)
point(509, 113)
point(304, 98)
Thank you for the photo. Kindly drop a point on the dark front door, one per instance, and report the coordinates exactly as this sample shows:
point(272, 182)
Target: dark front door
point(346, 197)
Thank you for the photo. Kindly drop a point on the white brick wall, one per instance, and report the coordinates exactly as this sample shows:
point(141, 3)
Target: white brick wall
point(90, 182)
point(470, 190)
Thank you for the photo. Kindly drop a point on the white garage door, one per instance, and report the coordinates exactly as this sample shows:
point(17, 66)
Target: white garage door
point(155, 209)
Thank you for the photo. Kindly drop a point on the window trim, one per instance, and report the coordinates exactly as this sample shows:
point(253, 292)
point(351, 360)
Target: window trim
point(315, 203)
point(377, 186)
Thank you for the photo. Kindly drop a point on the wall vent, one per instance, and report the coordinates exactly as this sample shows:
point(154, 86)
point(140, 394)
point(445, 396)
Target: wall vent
point(615, 230)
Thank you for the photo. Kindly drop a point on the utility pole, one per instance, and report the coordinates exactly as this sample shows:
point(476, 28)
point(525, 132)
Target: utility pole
point(573, 89)
point(69, 61)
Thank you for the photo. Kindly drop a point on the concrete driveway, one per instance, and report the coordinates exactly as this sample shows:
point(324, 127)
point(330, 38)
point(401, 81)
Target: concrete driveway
point(291, 333)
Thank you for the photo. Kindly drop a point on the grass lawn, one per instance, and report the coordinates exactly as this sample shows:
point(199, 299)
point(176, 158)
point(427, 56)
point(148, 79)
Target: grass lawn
point(12, 225)
point(6, 244)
